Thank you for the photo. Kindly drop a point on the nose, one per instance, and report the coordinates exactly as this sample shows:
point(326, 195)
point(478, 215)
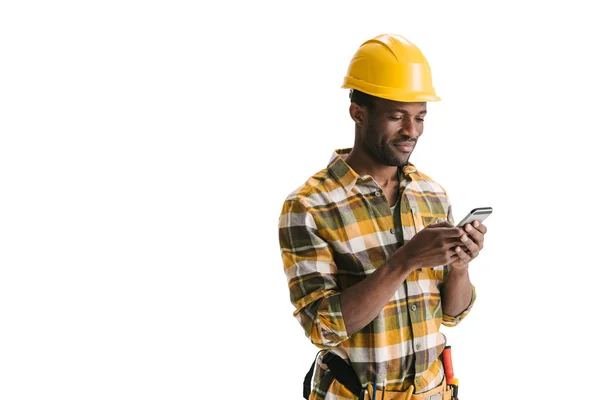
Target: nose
point(409, 128)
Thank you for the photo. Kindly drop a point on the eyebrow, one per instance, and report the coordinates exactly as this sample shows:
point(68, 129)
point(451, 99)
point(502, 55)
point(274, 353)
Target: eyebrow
point(405, 111)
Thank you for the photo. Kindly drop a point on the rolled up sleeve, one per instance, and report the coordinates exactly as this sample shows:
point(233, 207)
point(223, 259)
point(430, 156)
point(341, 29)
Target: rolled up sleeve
point(311, 274)
point(449, 320)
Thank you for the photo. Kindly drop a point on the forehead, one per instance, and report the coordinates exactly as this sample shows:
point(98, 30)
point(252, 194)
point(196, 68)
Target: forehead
point(384, 105)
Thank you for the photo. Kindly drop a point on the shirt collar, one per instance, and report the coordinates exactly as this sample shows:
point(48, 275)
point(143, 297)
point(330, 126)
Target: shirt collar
point(347, 177)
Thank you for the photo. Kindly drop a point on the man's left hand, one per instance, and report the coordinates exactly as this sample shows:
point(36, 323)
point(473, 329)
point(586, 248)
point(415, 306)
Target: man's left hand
point(472, 243)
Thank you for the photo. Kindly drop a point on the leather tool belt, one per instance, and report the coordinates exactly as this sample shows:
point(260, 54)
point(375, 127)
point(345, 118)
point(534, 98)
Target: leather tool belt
point(442, 392)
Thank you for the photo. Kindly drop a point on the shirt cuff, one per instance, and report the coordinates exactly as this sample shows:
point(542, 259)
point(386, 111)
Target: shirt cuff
point(329, 328)
point(449, 320)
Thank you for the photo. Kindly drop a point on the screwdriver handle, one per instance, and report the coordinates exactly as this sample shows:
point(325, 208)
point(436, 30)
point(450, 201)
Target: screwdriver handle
point(447, 361)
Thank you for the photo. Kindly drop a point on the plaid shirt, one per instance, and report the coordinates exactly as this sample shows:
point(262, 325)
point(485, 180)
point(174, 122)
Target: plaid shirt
point(334, 231)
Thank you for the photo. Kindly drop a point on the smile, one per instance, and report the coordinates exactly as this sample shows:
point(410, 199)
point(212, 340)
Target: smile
point(404, 146)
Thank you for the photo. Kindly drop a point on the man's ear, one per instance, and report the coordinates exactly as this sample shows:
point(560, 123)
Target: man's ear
point(357, 113)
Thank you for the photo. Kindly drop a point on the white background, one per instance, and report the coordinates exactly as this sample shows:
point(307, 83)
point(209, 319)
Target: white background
point(146, 149)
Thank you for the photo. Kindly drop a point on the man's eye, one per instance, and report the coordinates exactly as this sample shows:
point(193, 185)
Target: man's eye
point(395, 118)
point(420, 119)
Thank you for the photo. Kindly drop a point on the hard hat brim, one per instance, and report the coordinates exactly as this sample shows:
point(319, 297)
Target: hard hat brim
point(395, 94)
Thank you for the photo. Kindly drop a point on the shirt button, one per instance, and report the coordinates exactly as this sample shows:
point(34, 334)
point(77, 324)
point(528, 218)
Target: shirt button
point(413, 307)
point(418, 346)
point(377, 194)
point(391, 231)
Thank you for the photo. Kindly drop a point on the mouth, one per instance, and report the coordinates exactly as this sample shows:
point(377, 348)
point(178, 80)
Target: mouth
point(405, 147)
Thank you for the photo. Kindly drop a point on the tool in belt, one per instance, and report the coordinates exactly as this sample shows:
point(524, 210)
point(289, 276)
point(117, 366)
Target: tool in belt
point(346, 376)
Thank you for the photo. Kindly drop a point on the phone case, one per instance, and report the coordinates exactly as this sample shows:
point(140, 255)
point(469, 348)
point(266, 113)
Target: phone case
point(477, 214)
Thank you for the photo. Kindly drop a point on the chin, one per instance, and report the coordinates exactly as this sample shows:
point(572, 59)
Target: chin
point(395, 163)
point(401, 161)
point(392, 157)
point(404, 158)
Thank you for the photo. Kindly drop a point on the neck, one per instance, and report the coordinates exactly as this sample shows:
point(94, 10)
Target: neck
point(364, 164)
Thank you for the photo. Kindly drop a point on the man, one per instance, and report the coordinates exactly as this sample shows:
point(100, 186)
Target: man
point(373, 261)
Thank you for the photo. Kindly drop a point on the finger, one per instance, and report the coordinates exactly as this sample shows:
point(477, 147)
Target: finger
point(473, 248)
point(475, 234)
point(462, 254)
point(453, 242)
point(452, 232)
point(453, 258)
point(446, 229)
point(480, 227)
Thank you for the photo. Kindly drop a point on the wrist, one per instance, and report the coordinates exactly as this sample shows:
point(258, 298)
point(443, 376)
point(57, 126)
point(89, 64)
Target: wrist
point(458, 269)
point(401, 262)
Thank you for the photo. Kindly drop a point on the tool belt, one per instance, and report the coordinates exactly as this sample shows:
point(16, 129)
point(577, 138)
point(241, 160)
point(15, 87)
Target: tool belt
point(345, 375)
point(442, 392)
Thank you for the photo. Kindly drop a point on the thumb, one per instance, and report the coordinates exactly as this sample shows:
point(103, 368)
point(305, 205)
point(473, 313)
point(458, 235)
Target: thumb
point(441, 223)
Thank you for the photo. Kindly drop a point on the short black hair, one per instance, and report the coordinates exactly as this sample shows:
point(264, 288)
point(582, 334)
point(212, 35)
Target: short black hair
point(362, 99)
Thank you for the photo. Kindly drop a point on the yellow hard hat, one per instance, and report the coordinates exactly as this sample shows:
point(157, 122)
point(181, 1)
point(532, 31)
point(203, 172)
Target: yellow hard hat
point(391, 67)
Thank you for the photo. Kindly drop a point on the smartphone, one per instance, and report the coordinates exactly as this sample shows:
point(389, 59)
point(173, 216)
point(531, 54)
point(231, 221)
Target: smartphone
point(476, 214)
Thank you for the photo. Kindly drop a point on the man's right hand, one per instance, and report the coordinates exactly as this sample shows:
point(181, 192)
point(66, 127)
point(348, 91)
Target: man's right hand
point(430, 247)
point(435, 245)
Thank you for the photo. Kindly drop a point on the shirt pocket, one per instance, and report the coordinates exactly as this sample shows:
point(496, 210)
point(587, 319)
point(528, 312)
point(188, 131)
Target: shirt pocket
point(424, 218)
